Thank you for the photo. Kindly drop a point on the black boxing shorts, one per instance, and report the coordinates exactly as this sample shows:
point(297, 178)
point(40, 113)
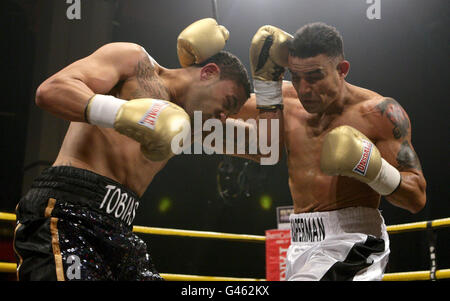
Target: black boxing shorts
point(74, 224)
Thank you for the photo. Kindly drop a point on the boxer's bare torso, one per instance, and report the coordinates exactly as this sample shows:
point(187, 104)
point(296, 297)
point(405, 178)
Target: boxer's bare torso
point(381, 119)
point(311, 189)
point(109, 153)
point(126, 71)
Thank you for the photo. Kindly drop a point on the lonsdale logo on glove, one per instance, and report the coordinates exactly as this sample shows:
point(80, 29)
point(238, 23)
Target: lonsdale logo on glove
point(363, 164)
point(164, 129)
point(150, 117)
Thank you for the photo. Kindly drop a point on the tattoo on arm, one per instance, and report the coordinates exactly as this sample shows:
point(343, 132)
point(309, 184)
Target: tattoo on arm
point(149, 83)
point(396, 115)
point(407, 157)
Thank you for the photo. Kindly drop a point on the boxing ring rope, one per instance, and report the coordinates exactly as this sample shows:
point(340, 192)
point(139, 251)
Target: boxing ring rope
point(8, 267)
point(199, 234)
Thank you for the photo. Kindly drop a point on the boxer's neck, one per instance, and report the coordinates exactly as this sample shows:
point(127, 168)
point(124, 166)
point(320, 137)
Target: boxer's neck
point(177, 82)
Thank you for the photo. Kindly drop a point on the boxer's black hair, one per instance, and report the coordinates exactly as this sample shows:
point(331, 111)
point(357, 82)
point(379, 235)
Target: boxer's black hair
point(231, 68)
point(317, 38)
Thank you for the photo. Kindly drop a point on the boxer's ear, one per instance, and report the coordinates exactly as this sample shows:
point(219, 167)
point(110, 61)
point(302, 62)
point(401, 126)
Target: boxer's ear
point(343, 68)
point(209, 71)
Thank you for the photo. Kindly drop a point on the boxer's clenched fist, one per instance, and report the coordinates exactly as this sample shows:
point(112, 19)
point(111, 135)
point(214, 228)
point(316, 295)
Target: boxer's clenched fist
point(151, 122)
point(347, 152)
point(200, 40)
point(269, 53)
point(268, 59)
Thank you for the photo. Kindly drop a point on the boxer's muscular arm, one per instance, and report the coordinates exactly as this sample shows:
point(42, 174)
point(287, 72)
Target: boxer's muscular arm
point(396, 148)
point(66, 93)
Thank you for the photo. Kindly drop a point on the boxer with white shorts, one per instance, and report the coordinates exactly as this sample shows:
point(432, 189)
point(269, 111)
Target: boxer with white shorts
point(346, 147)
point(345, 244)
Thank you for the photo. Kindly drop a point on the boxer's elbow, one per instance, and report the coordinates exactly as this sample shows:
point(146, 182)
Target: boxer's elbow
point(52, 91)
point(411, 195)
point(42, 95)
point(421, 198)
point(45, 93)
point(417, 205)
point(418, 196)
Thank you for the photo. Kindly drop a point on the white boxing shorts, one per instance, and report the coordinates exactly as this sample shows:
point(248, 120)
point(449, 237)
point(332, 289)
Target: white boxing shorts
point(346, 244)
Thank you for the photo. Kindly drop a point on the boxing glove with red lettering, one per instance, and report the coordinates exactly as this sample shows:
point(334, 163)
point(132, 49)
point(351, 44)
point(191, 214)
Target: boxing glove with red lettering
point(348, 152)
point(151, 122)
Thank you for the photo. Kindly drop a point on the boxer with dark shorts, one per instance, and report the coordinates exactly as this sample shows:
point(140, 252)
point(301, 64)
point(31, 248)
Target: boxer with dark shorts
point(75, 223)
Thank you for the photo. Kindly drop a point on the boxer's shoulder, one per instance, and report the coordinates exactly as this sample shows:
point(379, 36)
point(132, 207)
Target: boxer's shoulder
point(290, 99)
point(144, 80)
point(121, 47)
point(386, 115)
point(368, 101)
point(133, 55)
point(288, 90)
point(294, 110)
point(393, 117)
point(364, 101)
point(121, 52)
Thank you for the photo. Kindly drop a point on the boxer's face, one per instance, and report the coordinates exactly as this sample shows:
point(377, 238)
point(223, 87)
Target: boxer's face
point(318, 81)
point(216, 98)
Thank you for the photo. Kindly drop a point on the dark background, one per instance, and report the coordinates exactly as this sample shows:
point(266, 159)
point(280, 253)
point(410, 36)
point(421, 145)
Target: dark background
point(404, 55)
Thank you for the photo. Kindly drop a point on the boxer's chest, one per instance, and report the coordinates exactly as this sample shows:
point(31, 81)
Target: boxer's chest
point(304, 137)
point(307, 182)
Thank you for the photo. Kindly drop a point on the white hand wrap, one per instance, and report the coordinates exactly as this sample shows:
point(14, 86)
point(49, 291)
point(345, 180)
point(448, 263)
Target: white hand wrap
point(268, 93)
point(103, 110)
point(387, 180)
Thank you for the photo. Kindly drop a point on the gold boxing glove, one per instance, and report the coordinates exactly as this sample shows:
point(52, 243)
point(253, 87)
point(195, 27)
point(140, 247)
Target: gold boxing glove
point(200, 41)
point(268, 59)
point(151, 122)
point(347, 152)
